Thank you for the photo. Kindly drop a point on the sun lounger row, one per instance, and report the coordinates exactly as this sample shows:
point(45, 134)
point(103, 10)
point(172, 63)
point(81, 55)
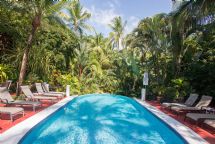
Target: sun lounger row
point(45, 87)
point(32, 99)
point(194, 113)
point(188, 105)
point(41, 91)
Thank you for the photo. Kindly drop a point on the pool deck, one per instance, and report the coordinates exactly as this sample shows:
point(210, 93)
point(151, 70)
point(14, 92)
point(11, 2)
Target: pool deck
point(188, 134)
point(14, 134)
point(204, 132)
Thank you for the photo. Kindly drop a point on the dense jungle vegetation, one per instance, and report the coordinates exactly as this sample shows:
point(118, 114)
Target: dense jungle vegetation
point(39, 42)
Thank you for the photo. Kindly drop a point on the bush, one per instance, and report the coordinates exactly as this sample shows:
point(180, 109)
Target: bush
point(6, 72)
point(158, 90)
point(171, 93)
point(68, 79)
point(182, 85)
point(32, 78)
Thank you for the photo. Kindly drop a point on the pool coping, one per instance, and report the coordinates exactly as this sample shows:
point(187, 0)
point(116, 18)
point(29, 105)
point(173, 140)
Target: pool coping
point(187, 134)
point(15, 133)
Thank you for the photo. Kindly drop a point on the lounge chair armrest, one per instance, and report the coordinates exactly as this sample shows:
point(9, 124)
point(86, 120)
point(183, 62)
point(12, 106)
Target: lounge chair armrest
point(26, 99)
point(29, 97)
point(204, 107)
point(36, 94)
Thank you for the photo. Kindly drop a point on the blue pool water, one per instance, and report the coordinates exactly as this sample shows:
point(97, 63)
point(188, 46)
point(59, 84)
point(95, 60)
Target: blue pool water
point(102, 119)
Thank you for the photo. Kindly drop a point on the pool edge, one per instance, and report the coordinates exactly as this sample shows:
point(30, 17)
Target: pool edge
point(15, 133)
point(186, 133)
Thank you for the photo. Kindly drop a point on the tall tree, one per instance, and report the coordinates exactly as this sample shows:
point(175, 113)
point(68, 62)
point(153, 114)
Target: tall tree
point(186, 19)
point(76, 17)
point(118, 28)
point(40, 10)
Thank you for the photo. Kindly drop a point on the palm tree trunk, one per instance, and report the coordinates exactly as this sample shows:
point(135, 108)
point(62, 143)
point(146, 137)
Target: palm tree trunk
point(80, 72)
point(35, 25)
point(118, 45)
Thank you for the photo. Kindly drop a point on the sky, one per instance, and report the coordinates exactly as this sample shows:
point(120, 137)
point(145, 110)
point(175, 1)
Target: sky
point(132, 11)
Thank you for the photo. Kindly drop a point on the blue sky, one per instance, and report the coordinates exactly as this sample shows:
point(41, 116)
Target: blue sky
point(103, 11)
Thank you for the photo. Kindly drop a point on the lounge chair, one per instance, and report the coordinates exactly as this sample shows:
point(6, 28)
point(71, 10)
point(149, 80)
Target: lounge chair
point(204, 102)
point(46, 89)
point(27, 92)
point(7, 84)
point(7, 99)
point(199, 117)
point(41, 92)
point(210, 123)
point(12, 111)
point(189, 102)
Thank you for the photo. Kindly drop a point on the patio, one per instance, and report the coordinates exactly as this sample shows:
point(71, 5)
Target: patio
point(204, 133)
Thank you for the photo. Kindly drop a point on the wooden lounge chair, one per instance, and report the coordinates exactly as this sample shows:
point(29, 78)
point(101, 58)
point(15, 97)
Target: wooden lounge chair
point(7, 99)
point(204, 102)
point(41, 92)
point(27, 92)
point(199, 117)
point(46, 89)
point(189, 102)
point(12, 111)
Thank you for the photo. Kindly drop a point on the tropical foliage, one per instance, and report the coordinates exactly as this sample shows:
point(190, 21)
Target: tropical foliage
point(176, 49)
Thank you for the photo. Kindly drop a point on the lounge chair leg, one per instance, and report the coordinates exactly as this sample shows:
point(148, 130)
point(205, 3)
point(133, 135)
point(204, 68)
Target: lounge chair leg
point(11, 118)
point(185, 118)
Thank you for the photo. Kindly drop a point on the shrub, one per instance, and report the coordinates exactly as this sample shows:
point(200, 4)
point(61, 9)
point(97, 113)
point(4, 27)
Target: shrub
point(6, 72)
point(182, 85)
point(171, 93)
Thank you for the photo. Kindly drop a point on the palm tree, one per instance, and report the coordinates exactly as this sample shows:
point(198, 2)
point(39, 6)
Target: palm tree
point(186, 19)
point(76, 17)
point(97, 42)
point(40, 10)
point(118, 28)
point(151, 38)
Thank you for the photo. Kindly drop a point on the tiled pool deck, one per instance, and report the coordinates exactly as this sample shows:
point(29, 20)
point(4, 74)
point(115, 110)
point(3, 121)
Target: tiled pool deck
point(189, 135)
point(14, 134)
point(204, 133)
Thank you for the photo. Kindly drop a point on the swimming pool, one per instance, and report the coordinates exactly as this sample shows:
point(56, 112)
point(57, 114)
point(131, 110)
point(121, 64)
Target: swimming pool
point(102, 119)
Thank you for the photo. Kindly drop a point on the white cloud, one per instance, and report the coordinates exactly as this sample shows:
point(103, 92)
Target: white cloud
point(132, 22)
point(103, 17)
point(111, 5)
point(116, 2)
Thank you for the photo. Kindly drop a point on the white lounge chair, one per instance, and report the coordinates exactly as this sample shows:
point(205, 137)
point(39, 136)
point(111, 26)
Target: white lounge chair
point(7, 99)
point(210, 123)
point(189, 102)
point(27, 92)
point(12, 111)
point(199, 117)
point(204, 102)
point(41, 92)
point(6, 84)
point(46, 89)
